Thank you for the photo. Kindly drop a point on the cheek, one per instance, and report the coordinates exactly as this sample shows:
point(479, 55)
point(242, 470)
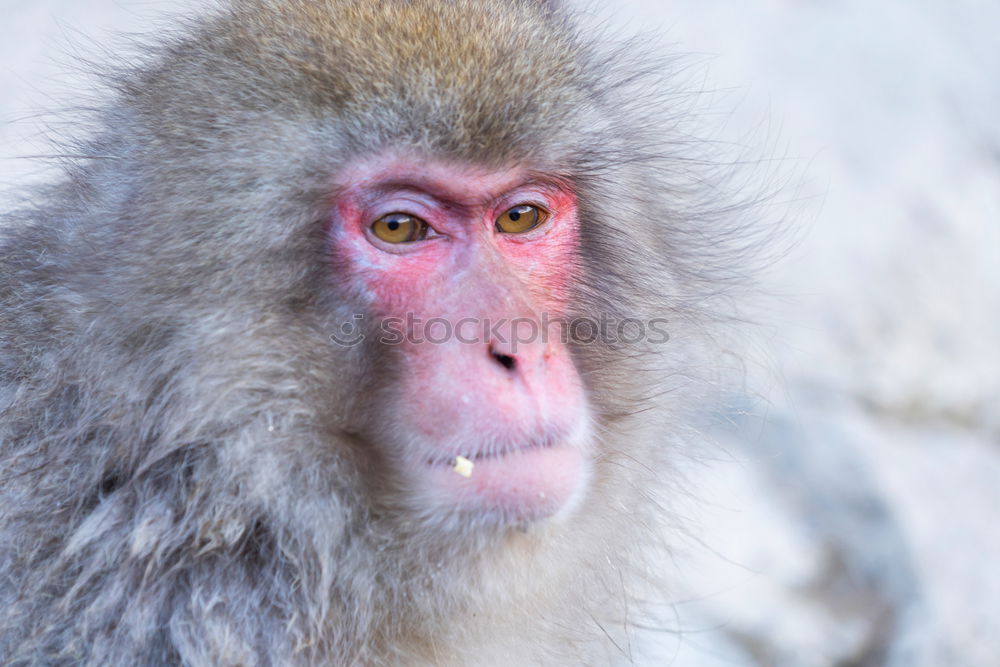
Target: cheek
point(552, 283)
point(549, 267)
point(413, 287)
point(393, 285)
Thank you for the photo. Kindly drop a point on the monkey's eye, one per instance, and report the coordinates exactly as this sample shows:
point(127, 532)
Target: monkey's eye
point(521, 219)
point(399, 228)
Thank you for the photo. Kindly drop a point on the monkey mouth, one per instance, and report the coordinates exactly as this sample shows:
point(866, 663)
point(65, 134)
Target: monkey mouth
point(515, 483)
point(490, 453)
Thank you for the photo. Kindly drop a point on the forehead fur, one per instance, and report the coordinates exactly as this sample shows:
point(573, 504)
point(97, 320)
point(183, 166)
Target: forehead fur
point(473, 78)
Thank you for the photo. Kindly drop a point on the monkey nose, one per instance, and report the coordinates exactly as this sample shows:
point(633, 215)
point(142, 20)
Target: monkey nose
point(502, 358)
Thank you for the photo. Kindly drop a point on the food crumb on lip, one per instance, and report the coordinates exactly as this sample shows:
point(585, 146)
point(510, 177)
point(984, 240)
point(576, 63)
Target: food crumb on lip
point(463, 466)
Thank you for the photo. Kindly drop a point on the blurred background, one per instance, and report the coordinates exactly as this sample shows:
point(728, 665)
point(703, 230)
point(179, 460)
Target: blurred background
point(844, 514)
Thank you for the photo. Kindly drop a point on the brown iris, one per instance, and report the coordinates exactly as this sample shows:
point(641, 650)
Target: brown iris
point(520, 219)
point(399, 228)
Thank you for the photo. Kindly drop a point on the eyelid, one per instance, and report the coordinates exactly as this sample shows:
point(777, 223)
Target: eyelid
point(384, 208)
point(527, 197)
point(423, 212)
point(541, 229)
point(431, 236)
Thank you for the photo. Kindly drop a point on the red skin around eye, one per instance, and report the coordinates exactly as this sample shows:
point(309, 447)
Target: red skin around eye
point(510, 401)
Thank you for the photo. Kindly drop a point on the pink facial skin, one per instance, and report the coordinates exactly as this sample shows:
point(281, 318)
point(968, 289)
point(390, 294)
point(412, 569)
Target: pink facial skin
point(516, 409)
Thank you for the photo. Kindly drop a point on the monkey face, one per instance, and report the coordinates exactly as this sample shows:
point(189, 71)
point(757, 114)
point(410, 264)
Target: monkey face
point(468, 270)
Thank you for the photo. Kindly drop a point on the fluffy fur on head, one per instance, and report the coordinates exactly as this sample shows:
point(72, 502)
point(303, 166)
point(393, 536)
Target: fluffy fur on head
point(180, 480)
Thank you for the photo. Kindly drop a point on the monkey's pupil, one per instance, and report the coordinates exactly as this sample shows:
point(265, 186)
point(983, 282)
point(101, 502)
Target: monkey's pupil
point(393, 225)
point(514, 215)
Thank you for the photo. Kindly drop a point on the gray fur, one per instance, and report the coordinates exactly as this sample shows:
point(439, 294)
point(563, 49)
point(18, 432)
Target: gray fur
point(182, 477)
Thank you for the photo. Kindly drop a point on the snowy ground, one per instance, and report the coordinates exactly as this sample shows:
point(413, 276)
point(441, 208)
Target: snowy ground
point(845, 518)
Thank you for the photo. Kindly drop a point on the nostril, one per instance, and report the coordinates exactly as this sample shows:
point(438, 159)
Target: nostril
point(504, 360)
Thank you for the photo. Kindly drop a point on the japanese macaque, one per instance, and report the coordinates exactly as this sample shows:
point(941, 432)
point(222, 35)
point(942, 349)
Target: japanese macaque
point(266, 395)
